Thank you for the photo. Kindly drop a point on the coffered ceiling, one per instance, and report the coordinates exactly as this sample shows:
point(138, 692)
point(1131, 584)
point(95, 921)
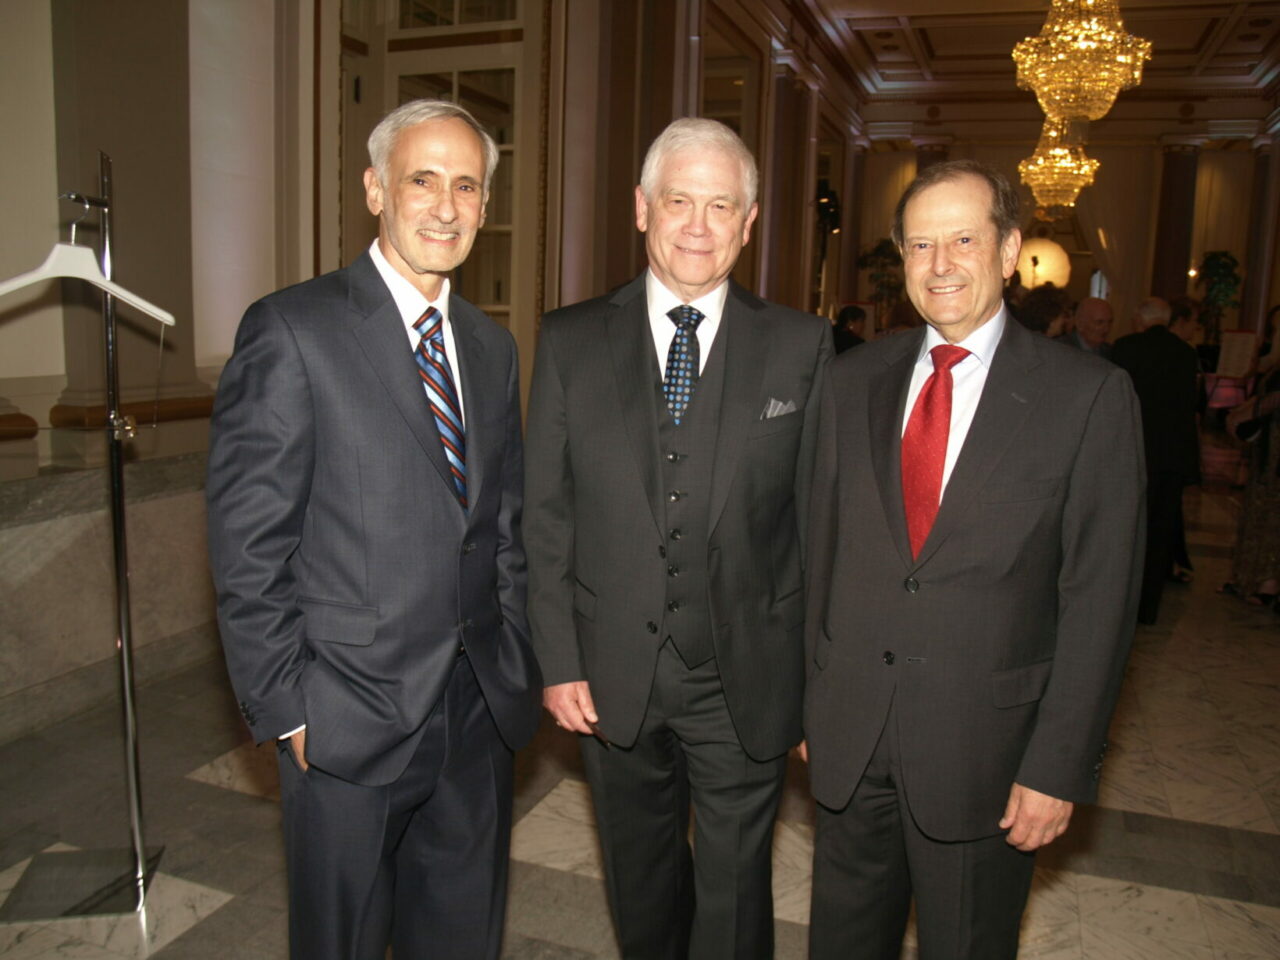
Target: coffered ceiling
point(946, 65)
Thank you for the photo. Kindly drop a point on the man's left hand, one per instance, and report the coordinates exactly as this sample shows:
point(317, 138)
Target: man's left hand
point(1034, 819)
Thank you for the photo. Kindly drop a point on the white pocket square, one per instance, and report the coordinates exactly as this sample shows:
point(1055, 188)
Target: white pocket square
point(776, 408)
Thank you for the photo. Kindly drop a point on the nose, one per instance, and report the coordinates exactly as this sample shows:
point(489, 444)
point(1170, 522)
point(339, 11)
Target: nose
point(444, 209)
point(941, 260)
point(697, 222)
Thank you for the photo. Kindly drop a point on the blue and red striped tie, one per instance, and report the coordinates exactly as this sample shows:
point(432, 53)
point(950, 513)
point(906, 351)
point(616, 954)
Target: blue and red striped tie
point(442, 396)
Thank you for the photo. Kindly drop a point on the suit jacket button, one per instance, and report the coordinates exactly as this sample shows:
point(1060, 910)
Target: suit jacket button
point(672, 457)
point(469, 546)
point(911, 584)
point(673, 496)
point(888, 658)
point(675, 534)
point(651, 627)
point(467, 625)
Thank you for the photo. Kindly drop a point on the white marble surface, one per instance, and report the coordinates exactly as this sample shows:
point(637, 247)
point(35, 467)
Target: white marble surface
point(174, 906)
point(247, 769)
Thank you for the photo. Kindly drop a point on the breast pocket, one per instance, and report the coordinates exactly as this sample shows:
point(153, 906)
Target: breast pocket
point(773, 426)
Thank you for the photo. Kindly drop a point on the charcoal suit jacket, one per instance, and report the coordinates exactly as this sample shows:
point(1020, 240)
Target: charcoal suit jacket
point(347, 572)
point(1002, 646)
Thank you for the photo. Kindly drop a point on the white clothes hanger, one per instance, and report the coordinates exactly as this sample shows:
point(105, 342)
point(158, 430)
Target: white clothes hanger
point(78, 261)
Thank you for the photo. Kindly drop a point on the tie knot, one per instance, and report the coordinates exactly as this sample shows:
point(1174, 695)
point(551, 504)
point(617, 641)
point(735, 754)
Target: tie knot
point(685, 316)
point(945, 356)
point(430, 325)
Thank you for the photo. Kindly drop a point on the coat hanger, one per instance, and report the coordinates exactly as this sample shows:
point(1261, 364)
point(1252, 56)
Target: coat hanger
point(78, 261)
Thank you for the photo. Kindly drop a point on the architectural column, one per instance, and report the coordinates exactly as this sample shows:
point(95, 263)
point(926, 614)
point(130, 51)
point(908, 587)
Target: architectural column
point(120, 84)
point(855, 182)
point(785, 199)
point(1176, 216)
point(1264, 211)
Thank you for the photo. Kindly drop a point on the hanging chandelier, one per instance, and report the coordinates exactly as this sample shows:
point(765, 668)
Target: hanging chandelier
point(1058, 170)
point(1081, 59)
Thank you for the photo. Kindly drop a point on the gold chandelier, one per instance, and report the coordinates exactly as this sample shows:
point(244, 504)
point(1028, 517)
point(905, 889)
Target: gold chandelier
point(1059, 169)
point(1081, 59)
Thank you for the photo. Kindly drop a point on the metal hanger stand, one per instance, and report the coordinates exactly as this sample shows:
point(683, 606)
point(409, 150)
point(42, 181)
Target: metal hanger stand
point(92, 882)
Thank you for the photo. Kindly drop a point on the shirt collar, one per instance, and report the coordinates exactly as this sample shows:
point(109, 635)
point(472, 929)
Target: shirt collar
point(409, 299)
point(662, 301)
point(981, 343)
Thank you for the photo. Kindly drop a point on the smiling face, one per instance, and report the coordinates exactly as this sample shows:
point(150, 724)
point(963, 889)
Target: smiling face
point(432, 202)
point(696, 222)
point(954, 259)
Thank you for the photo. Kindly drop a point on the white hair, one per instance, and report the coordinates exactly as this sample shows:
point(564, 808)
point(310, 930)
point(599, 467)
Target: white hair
point(383, 139)
point(692, 133)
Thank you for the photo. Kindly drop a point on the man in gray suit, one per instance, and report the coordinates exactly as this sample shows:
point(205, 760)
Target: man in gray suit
point(972, 594)
point(364, 526)
point(671, 431)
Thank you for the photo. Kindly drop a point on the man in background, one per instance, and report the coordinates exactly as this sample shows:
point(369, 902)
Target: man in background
point(1092, 327)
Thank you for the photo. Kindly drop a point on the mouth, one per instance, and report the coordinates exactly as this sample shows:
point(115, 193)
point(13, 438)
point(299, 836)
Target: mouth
point(690, 252)
point(949, 288)
point(438, 236)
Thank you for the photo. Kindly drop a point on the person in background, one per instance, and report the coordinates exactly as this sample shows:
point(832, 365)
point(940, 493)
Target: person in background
point(849, 328)
point(1163, 367)
point(1092, 324)
point(1046, 310)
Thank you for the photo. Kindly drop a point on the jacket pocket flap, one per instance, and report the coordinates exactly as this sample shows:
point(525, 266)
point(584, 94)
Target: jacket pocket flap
point(1009, 688)
point(339, 622)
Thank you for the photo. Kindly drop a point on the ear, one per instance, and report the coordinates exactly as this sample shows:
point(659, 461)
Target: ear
point(746, 226)
point(372, 192)
point(642, 211)
point(1009, 250)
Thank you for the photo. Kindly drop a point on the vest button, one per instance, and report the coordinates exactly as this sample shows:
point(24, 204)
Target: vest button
point(673, 606)
point(911, 584)
point(651, 627)
point(673, 570)
point(675, 534)
point(888, 658)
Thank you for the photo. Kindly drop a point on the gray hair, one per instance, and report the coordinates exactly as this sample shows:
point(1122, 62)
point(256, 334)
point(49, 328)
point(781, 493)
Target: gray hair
point(383, 139)
point(698, 133)
point(1004, 199)
point(1154, 312)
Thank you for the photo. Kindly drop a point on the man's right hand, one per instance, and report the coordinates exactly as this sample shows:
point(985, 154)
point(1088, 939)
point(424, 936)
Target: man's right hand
point(298, 744)
point(571, 705)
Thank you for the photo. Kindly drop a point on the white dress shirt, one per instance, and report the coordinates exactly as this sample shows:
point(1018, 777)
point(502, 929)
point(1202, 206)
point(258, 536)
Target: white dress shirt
point(412, 304)
point(661, 300)
point(969, 376)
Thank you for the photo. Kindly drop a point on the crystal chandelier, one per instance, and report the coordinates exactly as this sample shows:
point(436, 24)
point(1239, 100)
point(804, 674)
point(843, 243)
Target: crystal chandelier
point(1081, 59)
point(1059, 169)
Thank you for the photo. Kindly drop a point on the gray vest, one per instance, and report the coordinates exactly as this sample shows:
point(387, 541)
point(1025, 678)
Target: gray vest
point(687, 457)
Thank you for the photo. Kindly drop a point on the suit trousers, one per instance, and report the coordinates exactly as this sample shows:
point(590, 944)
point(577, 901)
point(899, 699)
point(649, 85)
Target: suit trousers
point(1164, 519)
point(669, 902)
point(420, 863)
point(870, 858)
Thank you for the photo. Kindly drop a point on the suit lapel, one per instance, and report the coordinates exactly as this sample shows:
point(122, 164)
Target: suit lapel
point(1007, 399)
point(380, 333)
point(632, 355)
point(478, 402)
point(746, 351)
point(885, 408)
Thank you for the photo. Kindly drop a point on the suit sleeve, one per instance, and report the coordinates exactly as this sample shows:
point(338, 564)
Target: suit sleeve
point(1103, 534)
point(549, 521)
point(809, 437)
point(822, 523)
point(512, 570)
point(261, 456)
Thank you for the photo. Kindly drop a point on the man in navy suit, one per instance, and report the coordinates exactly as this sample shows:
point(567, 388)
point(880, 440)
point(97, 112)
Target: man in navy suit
point(365, 486)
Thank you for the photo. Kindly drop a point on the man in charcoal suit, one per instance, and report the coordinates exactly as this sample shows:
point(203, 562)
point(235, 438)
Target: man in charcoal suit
point(972, 589)
point(365, 479)
point(670, 440)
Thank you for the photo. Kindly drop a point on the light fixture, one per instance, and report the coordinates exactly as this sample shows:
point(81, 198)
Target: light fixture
point(1058, 170)
point(1081, 59)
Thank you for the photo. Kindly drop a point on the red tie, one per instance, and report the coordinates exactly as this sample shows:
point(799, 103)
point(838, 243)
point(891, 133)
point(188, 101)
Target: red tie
point(924, 446)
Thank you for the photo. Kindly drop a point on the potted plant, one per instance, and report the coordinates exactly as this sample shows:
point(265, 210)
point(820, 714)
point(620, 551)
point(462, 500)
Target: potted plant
point(1220, 281)
point(884, 266)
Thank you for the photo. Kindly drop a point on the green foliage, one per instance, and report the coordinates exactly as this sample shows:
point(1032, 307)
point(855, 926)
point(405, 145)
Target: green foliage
point(884, 266)
point(1220, 281)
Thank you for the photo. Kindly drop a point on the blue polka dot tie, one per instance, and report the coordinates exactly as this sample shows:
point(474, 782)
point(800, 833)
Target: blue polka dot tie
point(682, 361)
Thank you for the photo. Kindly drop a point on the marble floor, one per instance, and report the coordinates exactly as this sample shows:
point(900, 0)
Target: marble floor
point(1179, 861)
